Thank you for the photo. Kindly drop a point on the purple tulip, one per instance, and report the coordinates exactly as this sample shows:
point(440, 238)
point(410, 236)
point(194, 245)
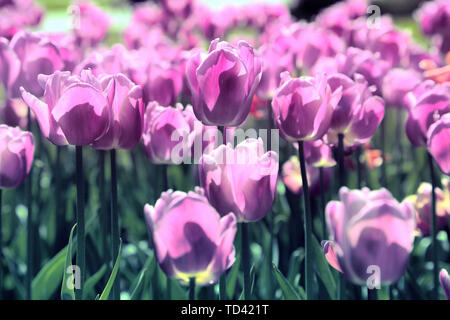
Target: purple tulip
point(318, 154)
point(434, 18)
point(36, 55)
point(397, 83)
point(445, 282)
point(240, 180)
point(75, 109)
point(223, 83)
point(439, 142)
point(18, 14)
point(164, 83)
point(303, 107)
point(127, 110)
point(361, 225)
point(9, 65)
point(293, 180)
point(14, 113)
point(91, 24)
point(422, 203)
point(427, 107)
point(179, 8)
point(190, 237)
point(357, 114)
point(16, 156)
point(167, 133)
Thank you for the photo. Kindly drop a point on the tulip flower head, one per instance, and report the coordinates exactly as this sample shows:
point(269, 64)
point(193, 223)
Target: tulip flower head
point(422, 203)
point(16, 156)
point(445, 282)
point(240, 180)
point(127, 111)
point(370, 229)
point(438, 137)
point(190, 237)
point(75, 108)
point(223, 82)
point(357, 114)
point(303, 107)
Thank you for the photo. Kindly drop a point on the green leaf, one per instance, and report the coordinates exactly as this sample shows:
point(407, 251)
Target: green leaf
point(93, 280)
point(66, 292)
point(232, 278)
point(112, 278)
point(138, 287)
point(322, 268)
point(287, 289)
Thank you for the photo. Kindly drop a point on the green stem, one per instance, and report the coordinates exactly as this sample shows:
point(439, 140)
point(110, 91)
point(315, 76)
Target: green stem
point(223, 287)
point(192, 288)
point(308, 223)
point(115, 222)
point(30, 227)
point(245, 260)
point(342, 182)
point(372, 294)
point(383, 152)
point(1, 248)
point(81, 236)
point(103, 209)
point(322, 203)
point(59, 213)
point(358, 167)
point(434, 229)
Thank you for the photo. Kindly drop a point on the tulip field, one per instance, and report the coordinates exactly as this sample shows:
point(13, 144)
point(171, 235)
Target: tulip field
point(186, 150)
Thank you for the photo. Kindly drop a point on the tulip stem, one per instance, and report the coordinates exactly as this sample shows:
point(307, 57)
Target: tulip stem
point(342, 182)
point(103, 208)
point(245, 260)
point(192, 288)
point(115, 221)
point(81, 237)
point(372, 294)
point(308, 223)
point(1, 247)
point(322, 203)
point(359, 166)
point(223, 287)
point(59, 214)
point(30, 227)
point(434, 229)
point(383, 152)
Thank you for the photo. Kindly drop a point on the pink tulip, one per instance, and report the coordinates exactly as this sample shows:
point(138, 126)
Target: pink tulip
point(397, 83)
point(445, 282)
point(127, 110)
point(240, 180)
point(91, 23)
point(439, 142)
point(190, 237)
point(75, 108)
point(369, 228)
point(16, 156)
point(422, 203)
point(293, 180)
point(223, 83)
point(303, 107)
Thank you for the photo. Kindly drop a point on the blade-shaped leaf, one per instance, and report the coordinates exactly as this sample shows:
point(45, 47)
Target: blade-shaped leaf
point(67, 291)
point(288, 290)
point(93, 280)
point(112, 278)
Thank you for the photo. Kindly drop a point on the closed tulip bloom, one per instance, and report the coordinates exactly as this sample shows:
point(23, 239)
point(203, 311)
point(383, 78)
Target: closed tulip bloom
point(37, 55)
point(167, 128)
point(293, 180)
point(127, 110)
point(9, 65)
point(303, 107)
point(357, 114)
point(318, 154)
point(223, 83)
point(369, 228)
point(428, 107)
point(240, 180)
point(191, 239)
point(397, 83)
point(74, 111)
point(16, 156)
point(422, 203)
point(439, 143)
point(164, 84)
point(92, 24)
point(444, 278)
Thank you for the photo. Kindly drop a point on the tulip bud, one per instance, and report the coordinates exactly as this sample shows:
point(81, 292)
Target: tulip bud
point(439, 142)
point(361, 225)
point(240, 180)
point(16, 156)
point(223, 83)
point(190, 237)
